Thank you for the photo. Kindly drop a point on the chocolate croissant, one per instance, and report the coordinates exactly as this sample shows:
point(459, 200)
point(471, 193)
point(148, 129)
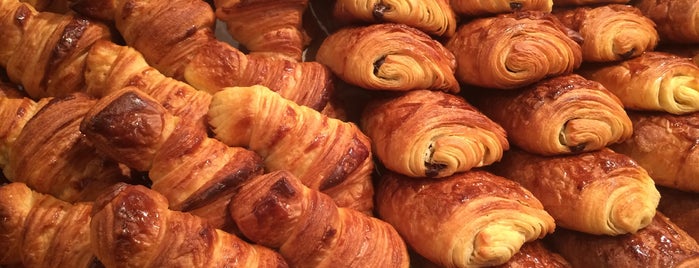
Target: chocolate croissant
point(466, 220)
point(675, 19)
point(389, 56)
point(133, 227)
point(486, 8)
point(682, 208)
point(276, 210)
point(599, 192)
point(514, 50)
point(38, 230)
point(660, 244)
point(196, 173)
point(326, 154)
point(266, 26)
point(427, 133)
point(434, 17)
point(611, 32)
point(654, 81)
point(664, 145)
point(561, 115)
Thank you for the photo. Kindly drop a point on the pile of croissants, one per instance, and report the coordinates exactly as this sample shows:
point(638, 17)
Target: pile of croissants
point(349, 133)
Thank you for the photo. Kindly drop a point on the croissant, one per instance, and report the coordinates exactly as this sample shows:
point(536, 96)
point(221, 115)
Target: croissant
point(276, 210)
point(266, 26)
point(196, 173)
point(326, 154)
point(44, 51)
point(675, 19)
point(509, 51)
point(561, 115)
point(177, 38)
point(432, 134)
point(682, 208)
point(599, 192)
point(485, 8)
point(660, 244)
point(611, 32)
point(133, 227)
point(466, 220)
point(16, 110)
point(535, 254)
point(38, 230)
point(389, 56)
point(434, 17)
point(664, 145)
point(558, 3)
point(654, 81)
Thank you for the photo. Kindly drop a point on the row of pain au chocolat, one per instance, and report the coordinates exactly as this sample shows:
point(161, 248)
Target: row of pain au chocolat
point(236, 173)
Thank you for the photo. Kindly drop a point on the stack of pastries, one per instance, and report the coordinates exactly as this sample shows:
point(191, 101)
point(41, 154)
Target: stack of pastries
point(349, 133)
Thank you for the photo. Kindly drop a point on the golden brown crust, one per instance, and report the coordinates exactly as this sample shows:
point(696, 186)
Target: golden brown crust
point(661, 244)
point(484, 8)
point(534, 254)
point(587, 2)
point(432, 134)
point(654, 81)
point(561, 115)
point(389, 56)
point(509, 51)
point(133, 227)
point(599, 192)
point(467, 219)
point(309, 230)
point(682, 208)
point(677, 20)
point(611, 32)
point(326, 154)
point(434, 17)
point(665, 145)
point(15, 111)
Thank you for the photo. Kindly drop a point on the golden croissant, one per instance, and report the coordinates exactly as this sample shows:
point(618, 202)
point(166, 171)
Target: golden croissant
point(486, 8)
point(326, 154)
point(466, 220)
point(599, 192)
point(427, 133)
point(510, 51)
point(676, 19)
point(389, 56)
point(276, 210)
point(561, 115)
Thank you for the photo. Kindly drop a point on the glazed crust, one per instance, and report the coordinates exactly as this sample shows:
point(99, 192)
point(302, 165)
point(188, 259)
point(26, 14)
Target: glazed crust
point(535, 254)
point(682, 208)
point(676, 20)
point(484, 8)
point(587, 2)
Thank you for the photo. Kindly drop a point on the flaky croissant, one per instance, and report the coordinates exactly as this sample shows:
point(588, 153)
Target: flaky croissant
point(485, 8)
point(196, 173)
point(434, 17)
point(661, 244)
point(389, 56)
point(654, 81)
point(276, 210)
point(561, 115)
point(611, 32)
point(427, 133)
point(676, 19)
point(38, 230)
point(326, 154)
point(469, 219)
point(665, 145)
point(16, 109)
point(133, 227)
point(514, 50)
point(682, 208)
point(599, 192)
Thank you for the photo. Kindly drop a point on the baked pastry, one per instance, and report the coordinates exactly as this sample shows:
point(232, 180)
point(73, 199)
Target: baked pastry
point(196, 173)
point(661, 244)
point(389, 56)
point(682, 208)
point(16, 109)
point(434, 17)
point(535, 254)
point(561, 115)
point(611, 32)
point(664, 145)
point(587, 2)
point(466, 220)
point(132, 227)
point(485, 8)
point(675, 19)
point(276, 210)
point(326, 154)
point(509, 51)
point(425, 133)
point(56, 6)
point(599, 192)
point(38, 230)
point(654, 81)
